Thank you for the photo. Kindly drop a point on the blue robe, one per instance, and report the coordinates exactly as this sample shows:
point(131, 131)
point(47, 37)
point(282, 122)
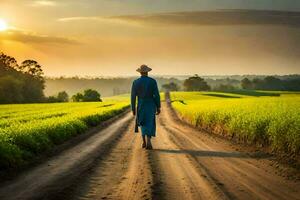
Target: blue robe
point(146, 90)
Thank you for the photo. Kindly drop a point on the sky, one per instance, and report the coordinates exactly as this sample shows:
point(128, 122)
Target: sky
point(174, 37)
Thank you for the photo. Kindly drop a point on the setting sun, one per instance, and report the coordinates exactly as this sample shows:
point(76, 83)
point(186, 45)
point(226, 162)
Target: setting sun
point(3, 25)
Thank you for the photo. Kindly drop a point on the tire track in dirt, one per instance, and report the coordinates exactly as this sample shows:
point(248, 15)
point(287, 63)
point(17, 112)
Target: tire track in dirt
point(138, 177)
point(122, 173)
point(175, 176)
point(238, 174)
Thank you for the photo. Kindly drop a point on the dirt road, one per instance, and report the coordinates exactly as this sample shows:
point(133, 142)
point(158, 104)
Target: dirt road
point(185, 164)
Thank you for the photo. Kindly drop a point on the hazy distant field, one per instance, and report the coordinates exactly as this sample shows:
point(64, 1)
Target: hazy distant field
point(29, 129)
point(255, 117)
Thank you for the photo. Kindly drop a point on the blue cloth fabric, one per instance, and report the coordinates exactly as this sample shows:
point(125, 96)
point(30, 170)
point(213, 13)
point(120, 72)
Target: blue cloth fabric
point(145, 90)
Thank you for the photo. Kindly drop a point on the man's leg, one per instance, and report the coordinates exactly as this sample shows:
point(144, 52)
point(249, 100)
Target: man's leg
point(144, 141)
point(149, 144)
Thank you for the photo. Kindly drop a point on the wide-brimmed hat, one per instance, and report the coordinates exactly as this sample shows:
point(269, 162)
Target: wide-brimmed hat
point(143, 68)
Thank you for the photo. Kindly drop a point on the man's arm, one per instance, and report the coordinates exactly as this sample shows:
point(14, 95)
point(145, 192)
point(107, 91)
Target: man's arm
point(133, 99)
point(157, 98)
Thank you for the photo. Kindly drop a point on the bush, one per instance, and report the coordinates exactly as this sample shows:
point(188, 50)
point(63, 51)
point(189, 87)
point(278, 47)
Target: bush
point(60, 97)
point(88, 95)
point(195, 83)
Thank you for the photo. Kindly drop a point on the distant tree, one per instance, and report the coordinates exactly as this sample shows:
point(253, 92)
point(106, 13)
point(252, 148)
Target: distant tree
point(34, 81)
point(51, 99)
point(88, 95)
point(246, 84)
point(28, 85)
point(170, 86)
point(10, 90)
point(272, 83)
point(91, 95)
point(258, 84)
point(77, 97)
point(60, 97)
point(63, 96)
point(292, 85)
point(224, 87)
point(8, 61)
point(195, 83)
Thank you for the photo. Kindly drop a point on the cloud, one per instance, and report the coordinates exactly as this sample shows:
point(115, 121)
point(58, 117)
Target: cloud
point(29, 37)
point(44, 3)
point(70, 19)
point(199, 18)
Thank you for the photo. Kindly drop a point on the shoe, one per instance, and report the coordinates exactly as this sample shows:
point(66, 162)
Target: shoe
point(149, 147)
point(144, 145)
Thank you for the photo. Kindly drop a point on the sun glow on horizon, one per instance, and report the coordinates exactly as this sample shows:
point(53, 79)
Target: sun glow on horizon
point(3, 25)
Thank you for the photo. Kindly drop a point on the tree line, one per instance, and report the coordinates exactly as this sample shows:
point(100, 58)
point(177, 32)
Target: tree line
point(196, 83)
point(25, 83)
point(271, 83)
point(122, 85)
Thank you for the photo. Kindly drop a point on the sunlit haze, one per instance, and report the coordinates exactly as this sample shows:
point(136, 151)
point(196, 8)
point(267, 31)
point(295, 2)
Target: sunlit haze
point(112, 38)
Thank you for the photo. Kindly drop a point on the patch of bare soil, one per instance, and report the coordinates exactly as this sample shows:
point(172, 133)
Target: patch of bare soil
point(122, 172)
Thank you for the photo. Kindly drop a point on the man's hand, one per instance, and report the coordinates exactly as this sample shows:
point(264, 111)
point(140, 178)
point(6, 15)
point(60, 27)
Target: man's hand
point(133, 112)
point(158, 111)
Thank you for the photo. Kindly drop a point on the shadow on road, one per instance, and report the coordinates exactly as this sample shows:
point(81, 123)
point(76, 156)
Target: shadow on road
point(202, 153)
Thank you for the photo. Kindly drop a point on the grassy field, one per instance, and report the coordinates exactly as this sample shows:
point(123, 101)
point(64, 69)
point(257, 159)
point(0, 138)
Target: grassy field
point(27, 130)
point(271, 118)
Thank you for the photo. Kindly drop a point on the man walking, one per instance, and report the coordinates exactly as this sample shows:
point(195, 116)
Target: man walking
point(146, 91)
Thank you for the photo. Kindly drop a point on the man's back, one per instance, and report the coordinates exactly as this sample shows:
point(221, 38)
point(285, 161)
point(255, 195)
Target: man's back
point(145, 87)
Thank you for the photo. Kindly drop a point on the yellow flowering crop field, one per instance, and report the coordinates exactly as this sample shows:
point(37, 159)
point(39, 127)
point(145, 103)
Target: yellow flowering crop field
point(27, 130)
point(268, 118)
